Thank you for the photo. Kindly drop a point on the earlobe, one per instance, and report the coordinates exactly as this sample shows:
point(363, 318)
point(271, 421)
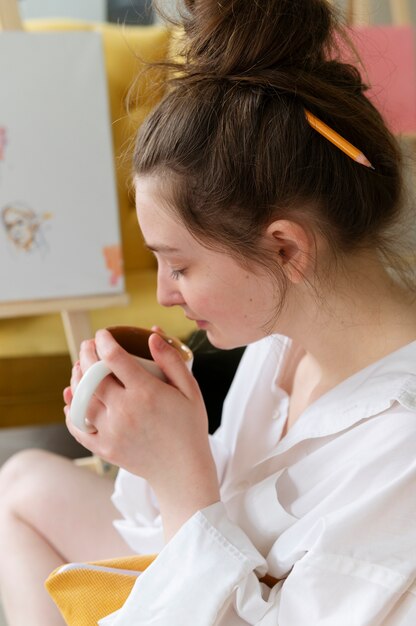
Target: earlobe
point(294, 248)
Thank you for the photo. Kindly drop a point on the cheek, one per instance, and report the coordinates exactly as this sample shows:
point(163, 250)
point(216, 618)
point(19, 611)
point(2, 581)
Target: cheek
point(204, 299)
point(221, 294)
point(199, 300)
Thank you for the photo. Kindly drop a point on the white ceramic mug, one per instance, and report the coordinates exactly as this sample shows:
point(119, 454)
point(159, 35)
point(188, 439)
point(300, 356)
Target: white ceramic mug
point(135, 341)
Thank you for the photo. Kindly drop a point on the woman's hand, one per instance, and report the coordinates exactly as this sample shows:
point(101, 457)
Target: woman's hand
point(153, 429)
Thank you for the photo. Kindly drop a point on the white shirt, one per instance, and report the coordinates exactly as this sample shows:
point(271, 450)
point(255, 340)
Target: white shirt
point(329, 509)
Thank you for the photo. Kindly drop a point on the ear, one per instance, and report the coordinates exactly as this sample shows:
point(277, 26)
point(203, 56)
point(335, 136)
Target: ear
point(294, 248)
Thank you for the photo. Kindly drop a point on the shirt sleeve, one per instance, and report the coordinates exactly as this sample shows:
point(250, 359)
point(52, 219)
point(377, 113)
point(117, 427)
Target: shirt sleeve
point(141, 524)
point(184, 586)
point(208, 575)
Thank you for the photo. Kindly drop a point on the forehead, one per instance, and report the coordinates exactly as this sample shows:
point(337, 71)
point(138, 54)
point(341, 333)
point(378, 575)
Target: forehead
point(149, 195)
point(160, 226)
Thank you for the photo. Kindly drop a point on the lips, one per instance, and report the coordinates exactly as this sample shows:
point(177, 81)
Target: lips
point(200, 323)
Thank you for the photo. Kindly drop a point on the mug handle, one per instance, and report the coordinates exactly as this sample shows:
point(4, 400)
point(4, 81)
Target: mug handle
point(84, 392)
point(89, 383)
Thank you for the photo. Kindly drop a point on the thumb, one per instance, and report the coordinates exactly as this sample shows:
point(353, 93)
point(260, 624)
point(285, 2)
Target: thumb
point(172, 365)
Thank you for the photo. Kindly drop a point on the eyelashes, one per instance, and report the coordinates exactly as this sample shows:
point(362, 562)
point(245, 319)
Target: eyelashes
point(176, 274)
point(162, 263)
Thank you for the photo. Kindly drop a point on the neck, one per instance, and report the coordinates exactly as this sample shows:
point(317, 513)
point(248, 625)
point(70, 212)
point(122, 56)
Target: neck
point(363, 317)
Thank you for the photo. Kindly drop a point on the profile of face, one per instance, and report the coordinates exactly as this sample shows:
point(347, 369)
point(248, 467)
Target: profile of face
point(234, 305)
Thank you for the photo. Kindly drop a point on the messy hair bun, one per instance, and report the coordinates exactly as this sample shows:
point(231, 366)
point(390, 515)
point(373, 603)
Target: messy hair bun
point(232, 136)
point(290, 46)
point(290, 33)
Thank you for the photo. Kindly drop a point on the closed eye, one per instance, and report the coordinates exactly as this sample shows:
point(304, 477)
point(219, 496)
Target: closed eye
point(176, 274)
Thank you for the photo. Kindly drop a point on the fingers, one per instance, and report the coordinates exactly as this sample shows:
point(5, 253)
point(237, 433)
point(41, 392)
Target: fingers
point(131, 374)
point(67, 394)
point(157, 329)
point(95, 407)
point(76, 376)
point(85, 438)
point(173, 366)
point(88, 354)
point(123, 365)
point(80, 410)
point(87, 357)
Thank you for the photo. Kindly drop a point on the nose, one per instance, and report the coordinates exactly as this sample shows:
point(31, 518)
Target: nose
point(168, 292)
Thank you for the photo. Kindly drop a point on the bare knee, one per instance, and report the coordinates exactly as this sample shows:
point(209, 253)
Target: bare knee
point(18, 475)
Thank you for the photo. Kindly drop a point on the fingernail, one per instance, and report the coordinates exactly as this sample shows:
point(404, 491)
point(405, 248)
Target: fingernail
point(159, 343)
point(103, 342)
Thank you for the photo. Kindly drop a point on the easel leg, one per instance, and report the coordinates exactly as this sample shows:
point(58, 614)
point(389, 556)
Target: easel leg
point(77, 327)
point(9, 15)
point(358, 12)
point(400, 12)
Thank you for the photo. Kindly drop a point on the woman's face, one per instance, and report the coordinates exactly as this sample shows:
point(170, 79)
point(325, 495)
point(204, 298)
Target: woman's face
point(232, 304)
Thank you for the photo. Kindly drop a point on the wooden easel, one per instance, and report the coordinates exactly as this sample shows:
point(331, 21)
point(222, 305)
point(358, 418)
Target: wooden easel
point(359, 12)
point(74, 311)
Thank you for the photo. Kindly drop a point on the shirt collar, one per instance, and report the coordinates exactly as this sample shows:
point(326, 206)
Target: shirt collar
point(366, 393)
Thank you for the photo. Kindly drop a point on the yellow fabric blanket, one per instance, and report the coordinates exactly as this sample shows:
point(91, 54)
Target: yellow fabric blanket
point(87, 592)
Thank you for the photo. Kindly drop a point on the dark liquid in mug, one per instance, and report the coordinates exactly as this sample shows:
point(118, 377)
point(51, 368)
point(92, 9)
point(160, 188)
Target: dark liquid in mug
point(134, 340)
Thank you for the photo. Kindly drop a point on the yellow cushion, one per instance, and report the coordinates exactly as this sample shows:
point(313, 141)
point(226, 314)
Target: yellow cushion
point(86, 592)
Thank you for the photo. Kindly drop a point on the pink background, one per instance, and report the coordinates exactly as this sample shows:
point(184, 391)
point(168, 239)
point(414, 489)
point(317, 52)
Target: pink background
point(388, 54)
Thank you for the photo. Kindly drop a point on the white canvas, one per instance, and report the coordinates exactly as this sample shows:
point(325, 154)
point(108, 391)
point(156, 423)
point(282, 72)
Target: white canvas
point(59, 226)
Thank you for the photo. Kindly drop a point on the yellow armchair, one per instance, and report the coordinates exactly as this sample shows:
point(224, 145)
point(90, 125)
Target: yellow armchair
point(34, 359)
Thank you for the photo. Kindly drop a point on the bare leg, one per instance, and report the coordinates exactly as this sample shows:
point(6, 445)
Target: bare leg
point(51, 512)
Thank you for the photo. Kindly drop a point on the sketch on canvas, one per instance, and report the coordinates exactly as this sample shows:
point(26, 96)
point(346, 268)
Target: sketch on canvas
point(59, 225)
point(24, 227)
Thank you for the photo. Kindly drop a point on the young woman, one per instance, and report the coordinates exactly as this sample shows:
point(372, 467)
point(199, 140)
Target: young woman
point(268, 234)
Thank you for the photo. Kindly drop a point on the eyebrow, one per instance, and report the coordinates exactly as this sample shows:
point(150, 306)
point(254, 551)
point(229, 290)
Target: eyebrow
point(160, 248)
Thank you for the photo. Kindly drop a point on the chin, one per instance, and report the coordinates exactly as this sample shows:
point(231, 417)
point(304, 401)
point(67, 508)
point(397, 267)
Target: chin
point(224, 343)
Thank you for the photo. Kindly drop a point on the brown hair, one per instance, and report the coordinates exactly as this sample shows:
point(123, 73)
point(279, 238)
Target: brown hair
point(231, 137)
